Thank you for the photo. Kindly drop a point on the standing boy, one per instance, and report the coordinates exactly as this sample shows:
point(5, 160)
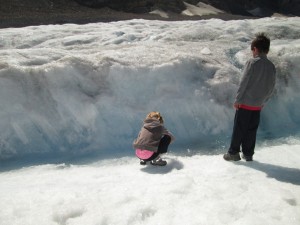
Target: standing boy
point(255, 89)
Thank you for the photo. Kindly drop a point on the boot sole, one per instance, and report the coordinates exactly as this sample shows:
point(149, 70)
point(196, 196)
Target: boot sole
point(154, 164)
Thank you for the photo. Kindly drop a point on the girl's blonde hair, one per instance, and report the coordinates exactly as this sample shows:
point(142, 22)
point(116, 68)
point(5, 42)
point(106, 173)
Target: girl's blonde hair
point(155, 115)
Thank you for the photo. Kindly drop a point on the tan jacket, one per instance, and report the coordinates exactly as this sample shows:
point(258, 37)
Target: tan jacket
point(150, 135)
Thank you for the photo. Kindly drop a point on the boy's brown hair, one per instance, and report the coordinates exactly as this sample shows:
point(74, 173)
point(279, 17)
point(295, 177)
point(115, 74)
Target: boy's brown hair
point(262, 43)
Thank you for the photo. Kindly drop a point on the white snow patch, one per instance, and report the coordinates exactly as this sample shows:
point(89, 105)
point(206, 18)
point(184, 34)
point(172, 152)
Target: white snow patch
point(160, 13)
point(201, 9)
point(192, 190)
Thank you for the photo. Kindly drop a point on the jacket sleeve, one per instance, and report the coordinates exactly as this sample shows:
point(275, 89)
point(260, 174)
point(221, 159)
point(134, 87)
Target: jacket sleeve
point(244, 82)
point(166, 132)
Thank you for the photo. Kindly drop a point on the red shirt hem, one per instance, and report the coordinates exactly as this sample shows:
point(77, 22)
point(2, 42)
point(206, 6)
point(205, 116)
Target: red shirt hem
point(248, 107)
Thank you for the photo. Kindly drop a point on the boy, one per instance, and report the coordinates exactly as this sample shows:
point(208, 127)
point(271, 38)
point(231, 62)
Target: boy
point(255, 89)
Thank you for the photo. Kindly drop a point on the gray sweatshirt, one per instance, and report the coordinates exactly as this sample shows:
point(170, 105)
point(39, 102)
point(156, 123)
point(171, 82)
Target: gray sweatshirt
point(257, 83)
point(150, 135)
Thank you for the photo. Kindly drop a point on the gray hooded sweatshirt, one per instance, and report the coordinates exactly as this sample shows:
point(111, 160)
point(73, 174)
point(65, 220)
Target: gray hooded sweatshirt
point(150, 135)
point(257, 83)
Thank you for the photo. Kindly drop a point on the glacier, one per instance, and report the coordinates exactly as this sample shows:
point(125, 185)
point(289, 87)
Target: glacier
point(70, 91)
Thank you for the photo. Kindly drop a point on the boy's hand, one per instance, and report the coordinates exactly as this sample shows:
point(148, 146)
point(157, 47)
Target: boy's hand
point(236, 106)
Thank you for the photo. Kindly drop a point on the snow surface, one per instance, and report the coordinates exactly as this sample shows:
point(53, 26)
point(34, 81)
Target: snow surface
point(197, 190)
point(77, 94)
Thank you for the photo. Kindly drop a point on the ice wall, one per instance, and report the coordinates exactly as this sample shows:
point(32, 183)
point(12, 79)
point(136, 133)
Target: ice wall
point(78, 89)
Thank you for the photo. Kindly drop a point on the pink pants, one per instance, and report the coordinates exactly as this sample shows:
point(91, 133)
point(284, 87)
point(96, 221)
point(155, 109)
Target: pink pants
point(144, 154)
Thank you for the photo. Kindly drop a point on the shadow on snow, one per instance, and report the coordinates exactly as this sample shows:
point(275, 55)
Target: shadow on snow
point(280, 173)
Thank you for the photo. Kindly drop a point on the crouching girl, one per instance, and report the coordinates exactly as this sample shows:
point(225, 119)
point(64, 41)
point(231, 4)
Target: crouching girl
point(153, 140)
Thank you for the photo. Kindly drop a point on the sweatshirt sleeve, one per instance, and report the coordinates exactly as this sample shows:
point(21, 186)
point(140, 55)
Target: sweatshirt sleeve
point(166, 132)
point(243, 84)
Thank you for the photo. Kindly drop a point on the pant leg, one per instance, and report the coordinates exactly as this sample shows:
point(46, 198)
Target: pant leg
point(248, 143)
point(162, 147)
point(154, 156)
point(240, 129)
point(164, 144)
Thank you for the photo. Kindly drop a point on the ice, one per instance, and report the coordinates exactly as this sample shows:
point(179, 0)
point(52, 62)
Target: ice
point(73, 90)
point(73, 97)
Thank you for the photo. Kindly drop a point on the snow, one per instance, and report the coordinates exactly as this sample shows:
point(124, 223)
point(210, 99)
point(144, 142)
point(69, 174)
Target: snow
point(200, 189)
point(160, 13)
point(73, 90)
point(201, 9)
point(73, 97)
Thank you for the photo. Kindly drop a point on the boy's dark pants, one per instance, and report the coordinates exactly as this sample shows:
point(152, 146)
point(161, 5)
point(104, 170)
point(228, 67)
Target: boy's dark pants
point(244, 131)
point(162, 147)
